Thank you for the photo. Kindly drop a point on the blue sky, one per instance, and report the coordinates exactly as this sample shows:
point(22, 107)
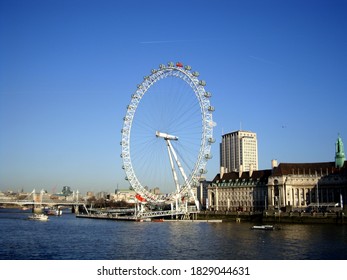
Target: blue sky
point(68, 69)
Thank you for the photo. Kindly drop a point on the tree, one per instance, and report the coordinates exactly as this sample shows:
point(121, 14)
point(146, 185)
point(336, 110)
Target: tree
point(66, 191)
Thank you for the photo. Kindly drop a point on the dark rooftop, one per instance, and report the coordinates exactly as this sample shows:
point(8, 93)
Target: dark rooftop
point(319, 168)
point(256, 174)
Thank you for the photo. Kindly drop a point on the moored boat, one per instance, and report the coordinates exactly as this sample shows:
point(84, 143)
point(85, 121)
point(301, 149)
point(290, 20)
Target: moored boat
point(38, 217)
point(264, 227)
point(144, 220)
point(53, 212)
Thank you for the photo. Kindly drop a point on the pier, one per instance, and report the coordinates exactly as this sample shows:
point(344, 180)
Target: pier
point(154, 218)
point(140, 216)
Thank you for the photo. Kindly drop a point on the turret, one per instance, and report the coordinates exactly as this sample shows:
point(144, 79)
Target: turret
point(339, 153)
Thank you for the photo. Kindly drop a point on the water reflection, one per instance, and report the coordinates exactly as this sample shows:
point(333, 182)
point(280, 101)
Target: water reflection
point(67, 237)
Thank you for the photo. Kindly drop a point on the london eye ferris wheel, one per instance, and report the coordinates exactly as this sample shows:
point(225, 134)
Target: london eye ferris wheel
point(167, 134)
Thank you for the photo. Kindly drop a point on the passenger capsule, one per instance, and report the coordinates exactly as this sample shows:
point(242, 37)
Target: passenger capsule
point(211, 124)
point(179, 64)
point(211, 108)
point(171, 64)
point(207, 94)
point(203, 171)
point(187, 67)
point(196, 74)
point(202, 83)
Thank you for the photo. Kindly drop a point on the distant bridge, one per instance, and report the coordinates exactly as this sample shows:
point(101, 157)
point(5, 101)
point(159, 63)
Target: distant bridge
point(34, 199)
point(23, 203)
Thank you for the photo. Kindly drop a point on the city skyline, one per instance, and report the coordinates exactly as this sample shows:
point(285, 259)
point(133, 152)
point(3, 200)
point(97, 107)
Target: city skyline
point(68, 70)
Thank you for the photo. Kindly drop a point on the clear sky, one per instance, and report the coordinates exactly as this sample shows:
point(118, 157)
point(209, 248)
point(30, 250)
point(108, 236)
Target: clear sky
point(68, 69)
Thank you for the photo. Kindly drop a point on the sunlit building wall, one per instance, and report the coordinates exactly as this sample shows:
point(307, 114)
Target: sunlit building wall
point(239, 151)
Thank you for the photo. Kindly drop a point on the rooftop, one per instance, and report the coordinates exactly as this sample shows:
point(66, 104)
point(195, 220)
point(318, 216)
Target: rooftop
point(319, 168)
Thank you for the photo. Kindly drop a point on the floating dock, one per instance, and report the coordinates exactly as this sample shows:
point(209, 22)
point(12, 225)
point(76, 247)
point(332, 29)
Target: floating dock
point(136, 219)
point(107, 217)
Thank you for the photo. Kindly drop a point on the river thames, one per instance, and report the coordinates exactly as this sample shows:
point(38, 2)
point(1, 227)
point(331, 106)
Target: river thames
point(70, 238)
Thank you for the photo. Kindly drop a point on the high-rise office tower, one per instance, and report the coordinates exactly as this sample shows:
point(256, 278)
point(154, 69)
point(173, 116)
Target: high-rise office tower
point(239, 151)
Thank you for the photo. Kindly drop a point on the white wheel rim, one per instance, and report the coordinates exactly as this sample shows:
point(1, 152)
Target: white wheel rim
point(207, 124)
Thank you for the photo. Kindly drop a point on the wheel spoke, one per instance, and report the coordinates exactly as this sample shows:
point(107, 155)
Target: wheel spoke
point(170, 104)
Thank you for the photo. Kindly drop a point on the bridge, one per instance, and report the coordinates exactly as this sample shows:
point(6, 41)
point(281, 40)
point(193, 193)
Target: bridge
point(36, 200)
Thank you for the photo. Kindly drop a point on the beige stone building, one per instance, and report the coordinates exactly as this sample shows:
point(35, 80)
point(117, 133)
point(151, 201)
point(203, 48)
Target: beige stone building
point(288, 186)
point(238, 191)
point(300, 185)
point(125, 195)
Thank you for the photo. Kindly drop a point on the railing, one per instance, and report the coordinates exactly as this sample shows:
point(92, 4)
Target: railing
point(151, 214)
point(159, 213)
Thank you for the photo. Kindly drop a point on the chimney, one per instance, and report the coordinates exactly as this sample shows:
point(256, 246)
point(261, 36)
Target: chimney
point(222, 171)
point(274, 163)
point(240, 171)
point(250, 170)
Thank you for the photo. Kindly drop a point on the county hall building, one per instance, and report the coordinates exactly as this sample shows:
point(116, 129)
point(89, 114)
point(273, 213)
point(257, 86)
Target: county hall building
point(286, 186)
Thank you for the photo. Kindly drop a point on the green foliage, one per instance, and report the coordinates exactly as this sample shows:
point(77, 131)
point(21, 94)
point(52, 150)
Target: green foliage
point(67, 191)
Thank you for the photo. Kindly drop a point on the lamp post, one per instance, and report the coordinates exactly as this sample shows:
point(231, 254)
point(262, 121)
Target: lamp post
point(317, 197)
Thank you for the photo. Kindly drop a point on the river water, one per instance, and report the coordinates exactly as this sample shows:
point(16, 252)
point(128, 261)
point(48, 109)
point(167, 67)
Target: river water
point(71, 238)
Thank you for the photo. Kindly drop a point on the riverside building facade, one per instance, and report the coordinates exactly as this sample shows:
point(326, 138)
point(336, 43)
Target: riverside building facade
point(287, 186)
point(239, 191)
